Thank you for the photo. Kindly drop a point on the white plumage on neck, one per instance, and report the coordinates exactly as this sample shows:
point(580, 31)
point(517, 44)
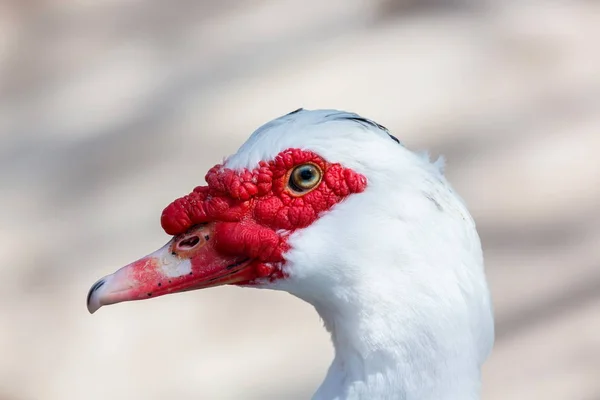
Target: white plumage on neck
point(396, 272)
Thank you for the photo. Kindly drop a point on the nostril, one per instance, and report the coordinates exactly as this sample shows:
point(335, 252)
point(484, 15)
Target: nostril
point(188, 243)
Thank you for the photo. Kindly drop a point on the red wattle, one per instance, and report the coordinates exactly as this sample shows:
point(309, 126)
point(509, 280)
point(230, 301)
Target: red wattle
point(255, 210)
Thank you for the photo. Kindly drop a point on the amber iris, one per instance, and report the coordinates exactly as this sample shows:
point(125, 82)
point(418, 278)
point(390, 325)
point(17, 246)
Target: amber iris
point(304, 178)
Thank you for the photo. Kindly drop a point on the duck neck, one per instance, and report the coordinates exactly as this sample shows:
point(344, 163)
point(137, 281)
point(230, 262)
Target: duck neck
point(387, 352)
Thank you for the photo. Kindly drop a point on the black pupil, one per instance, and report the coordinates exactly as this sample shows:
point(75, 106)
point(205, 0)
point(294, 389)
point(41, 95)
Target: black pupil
point(306, 174)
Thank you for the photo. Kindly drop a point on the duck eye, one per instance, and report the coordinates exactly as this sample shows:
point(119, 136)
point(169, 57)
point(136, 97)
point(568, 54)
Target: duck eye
point(304, 178)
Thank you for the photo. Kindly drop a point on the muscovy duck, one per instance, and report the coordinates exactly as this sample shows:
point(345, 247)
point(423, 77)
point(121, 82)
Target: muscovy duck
point(330, 207)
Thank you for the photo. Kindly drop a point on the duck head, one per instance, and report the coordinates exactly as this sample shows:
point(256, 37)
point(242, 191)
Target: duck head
point(331, 208)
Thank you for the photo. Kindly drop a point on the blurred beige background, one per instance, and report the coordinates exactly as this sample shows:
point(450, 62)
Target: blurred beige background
point(111, 109)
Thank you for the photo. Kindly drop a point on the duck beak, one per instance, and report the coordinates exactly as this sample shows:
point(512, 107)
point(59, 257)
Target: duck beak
point(188, 262)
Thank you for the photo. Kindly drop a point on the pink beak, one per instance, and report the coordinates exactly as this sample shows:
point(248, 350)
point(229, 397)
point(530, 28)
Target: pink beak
point(189, 261)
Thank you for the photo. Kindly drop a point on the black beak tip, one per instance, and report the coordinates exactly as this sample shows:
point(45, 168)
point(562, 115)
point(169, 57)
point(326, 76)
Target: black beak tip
point(94, 287)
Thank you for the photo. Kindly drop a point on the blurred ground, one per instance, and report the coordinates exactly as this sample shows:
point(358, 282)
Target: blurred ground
point(109, 110)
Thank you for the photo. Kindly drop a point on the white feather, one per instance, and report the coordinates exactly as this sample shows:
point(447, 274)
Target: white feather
point(396, 272)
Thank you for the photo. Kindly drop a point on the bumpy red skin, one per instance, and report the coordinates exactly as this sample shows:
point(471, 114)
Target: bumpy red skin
point(255, 210)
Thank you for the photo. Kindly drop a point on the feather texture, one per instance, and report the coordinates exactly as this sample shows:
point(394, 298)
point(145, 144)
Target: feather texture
point(396, 272)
